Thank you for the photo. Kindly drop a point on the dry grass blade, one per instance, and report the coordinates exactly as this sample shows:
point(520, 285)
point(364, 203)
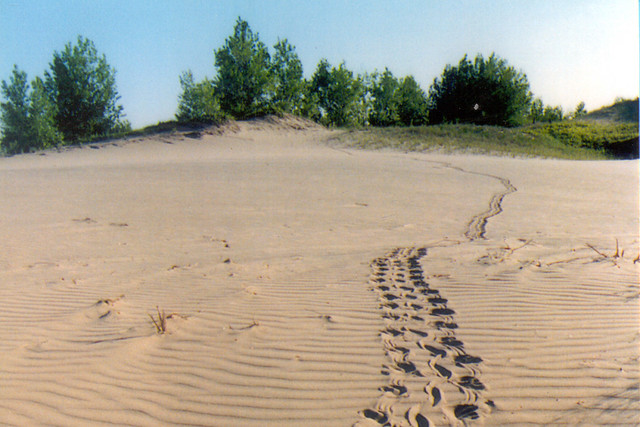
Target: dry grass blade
point(597, 251)
point(161, 323)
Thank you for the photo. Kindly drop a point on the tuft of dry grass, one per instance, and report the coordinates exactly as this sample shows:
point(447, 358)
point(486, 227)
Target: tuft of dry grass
point(161, 322)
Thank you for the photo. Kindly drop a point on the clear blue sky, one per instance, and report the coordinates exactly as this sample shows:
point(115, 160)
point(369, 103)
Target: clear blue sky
point(571, 50)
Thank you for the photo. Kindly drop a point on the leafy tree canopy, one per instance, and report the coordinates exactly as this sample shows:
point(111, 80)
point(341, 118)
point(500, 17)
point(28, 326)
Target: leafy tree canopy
point(483, 91)
point(82, 85)
point(412, 103)
point(286, 70)
point(26, 115)
point(338, 95)
point(384, 102)
point(198, 101)
point(243, 81)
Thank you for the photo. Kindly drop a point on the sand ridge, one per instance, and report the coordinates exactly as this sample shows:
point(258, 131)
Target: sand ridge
point(310, 285)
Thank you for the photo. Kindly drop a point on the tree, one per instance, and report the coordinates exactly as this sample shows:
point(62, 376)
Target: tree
point(384, 108)
point(15, 112)
point(286, 70)
point(338, 94)
point(27, 116)
point(243, 82)
point(536, 112)
point(42, 117)
point(485, 91)
point(579, 111)
point(411, 103)
point(82, 85)
point(552, 114)
point(198, 101)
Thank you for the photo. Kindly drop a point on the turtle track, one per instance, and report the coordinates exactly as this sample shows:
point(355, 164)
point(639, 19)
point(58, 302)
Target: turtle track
point(431, 378)
point(476, 228)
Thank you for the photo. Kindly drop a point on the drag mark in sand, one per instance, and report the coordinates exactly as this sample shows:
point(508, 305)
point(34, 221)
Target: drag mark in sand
point(477, 226)
point(432, 380)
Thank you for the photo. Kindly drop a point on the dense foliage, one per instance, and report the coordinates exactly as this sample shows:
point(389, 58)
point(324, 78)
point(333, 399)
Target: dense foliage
point(82, 85)
point(288, 80)
point(244, 80)
point(27, 115)
point(251, 82)
point(482, 91)
point(396, 102)
point(76, 100)
point(336, 95)
point(198, 101)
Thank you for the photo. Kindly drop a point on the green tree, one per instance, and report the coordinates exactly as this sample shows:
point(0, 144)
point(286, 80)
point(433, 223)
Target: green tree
point(338, 93)
point(243, 82)
point(198, 101)
point(82, 85)
point(42, 116)
point(483, 91)
point(536, 111)
point(579, 111)
point(552, 114)
point(384, 107)
point(27, 115)
point(286, 70)
point(411, 103)
point(15, 113)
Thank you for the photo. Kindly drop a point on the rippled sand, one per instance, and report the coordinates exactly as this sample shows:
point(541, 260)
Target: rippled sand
point(305, 284)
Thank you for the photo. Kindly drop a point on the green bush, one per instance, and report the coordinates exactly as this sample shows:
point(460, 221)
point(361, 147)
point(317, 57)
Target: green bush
point(198, 102)
point(596, 136)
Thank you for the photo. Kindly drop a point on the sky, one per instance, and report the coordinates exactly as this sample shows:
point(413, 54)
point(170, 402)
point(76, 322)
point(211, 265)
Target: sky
point(570, 50)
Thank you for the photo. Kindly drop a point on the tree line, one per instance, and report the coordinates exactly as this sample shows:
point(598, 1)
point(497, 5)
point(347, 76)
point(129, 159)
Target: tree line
point(77, 98)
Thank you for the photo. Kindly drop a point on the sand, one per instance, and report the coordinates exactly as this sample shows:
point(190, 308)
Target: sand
point(307, 284)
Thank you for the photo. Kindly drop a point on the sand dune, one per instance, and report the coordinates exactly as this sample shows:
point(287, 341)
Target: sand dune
point(311, 285)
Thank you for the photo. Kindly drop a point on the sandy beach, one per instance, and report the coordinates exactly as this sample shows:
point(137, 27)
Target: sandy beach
point(309, 285)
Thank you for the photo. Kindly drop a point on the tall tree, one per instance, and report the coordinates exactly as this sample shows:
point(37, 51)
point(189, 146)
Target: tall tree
point(82, 86)
point(536, 112)
point(384, 107)
point(483, 91)
point(243, 81)
point(411, 103)
point(286, 70)
point(579, 111)
point(338, 94)
point(27, 115)
point(15, 112)
point(42, 116)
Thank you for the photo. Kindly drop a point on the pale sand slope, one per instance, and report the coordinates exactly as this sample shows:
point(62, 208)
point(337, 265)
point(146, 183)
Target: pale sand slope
point(326, 311)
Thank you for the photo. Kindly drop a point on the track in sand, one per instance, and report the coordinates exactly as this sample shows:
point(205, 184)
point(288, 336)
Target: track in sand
point(432, 380)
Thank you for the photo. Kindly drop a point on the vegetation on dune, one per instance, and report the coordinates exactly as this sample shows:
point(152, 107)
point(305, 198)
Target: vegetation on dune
point(481, 104)
point(622, 110)
point(76, 101)
point(482, 91)
point(527, 141)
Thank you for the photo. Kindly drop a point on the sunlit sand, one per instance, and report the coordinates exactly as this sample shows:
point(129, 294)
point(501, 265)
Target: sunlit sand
point(306, 284)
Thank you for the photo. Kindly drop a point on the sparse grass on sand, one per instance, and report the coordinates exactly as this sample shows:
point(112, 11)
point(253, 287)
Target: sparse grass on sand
point(566, 140)
point(161, 322)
